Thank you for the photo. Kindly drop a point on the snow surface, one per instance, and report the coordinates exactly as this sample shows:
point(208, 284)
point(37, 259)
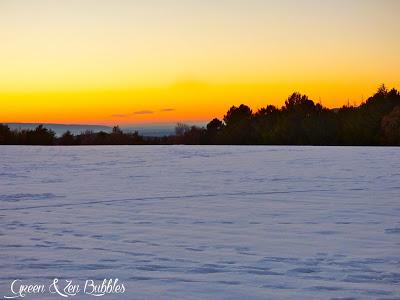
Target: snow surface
point(204, 222)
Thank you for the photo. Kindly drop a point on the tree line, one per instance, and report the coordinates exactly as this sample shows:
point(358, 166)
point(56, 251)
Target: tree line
point(300, 121)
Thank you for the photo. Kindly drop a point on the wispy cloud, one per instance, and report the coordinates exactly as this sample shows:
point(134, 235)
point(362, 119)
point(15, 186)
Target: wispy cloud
point(120, 115)
point(143, 112)
point(139, 112)
point(167, 109)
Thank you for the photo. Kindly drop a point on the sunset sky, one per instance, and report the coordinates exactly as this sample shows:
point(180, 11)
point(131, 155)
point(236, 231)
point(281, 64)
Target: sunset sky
point(150, 61)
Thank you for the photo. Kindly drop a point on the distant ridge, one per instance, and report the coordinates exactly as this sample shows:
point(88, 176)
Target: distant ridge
point(157, 129)
point(148, 130)
point(59, 129)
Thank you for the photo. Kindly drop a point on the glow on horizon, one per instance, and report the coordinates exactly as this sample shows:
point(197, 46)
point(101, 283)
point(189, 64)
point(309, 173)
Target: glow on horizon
point(125, 62)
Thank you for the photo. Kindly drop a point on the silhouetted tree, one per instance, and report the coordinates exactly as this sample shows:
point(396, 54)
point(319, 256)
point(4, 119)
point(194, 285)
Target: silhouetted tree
point(117, 130)
point(265, 120)
point(181, 129)
point(213, 131)
point(39, 136)
point(6, 136)
point(67, 139)
point(236, 115)
point(215, 125)
point(238, 122)
point(301, 122)
point(391, 127)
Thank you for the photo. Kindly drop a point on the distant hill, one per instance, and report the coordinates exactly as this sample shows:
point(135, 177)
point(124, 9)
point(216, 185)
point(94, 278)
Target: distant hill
point(157, 130)
point(150, 130)
point(59, 129)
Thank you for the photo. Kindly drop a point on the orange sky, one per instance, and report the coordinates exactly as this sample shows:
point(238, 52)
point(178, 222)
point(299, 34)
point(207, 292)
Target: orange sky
point(126, 62)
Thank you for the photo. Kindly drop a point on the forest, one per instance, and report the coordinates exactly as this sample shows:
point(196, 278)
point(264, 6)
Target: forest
point(300, 121)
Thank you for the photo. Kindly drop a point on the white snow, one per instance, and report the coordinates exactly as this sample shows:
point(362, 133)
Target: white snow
point(204, 222)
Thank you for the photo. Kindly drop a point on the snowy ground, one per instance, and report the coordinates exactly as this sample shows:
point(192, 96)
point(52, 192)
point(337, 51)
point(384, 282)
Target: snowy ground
point(190, 222)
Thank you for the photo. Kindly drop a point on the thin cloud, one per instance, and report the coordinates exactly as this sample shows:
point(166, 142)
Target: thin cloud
point(120, 115)
point(167, 109)
point(143, 112)
point(139, 112)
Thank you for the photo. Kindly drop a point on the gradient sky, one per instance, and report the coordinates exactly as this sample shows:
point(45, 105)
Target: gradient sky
point(125, 62)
